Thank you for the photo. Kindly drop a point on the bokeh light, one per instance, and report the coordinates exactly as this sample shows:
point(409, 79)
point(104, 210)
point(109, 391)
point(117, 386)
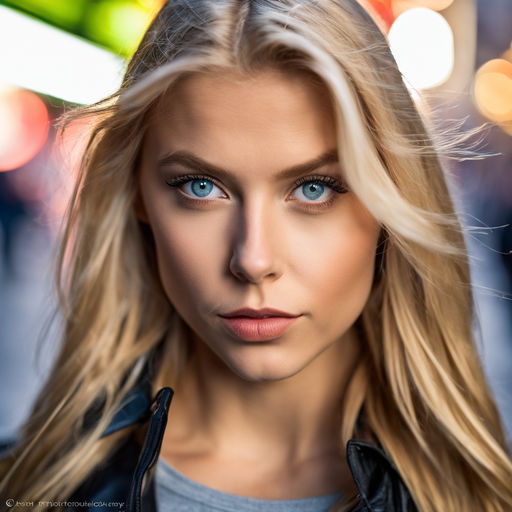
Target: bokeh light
point(94, 19)
point(493, 90)
point(54, 62)
point(24, 127)
point(118, 24)
point(381, 12)
point(400, 6)
point(422, 43)
point(507, 128)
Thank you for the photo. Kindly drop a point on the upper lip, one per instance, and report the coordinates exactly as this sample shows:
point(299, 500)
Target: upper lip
point(257, 313)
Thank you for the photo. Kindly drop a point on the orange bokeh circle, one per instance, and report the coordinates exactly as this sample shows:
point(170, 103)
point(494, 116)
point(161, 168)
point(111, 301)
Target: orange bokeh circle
point(399, 6)
point(381, 12)
point(493, 90)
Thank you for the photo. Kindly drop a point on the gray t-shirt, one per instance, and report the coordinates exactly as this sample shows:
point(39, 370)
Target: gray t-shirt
point(177, 493)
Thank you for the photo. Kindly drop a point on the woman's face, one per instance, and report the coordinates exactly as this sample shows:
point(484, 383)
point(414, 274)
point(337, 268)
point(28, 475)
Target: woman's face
point(241, 186)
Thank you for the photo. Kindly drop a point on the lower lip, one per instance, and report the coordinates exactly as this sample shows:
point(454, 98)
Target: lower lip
point(259, 329)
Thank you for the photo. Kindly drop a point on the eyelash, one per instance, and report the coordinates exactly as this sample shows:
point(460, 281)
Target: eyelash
point(334, 184)
point(330, 181)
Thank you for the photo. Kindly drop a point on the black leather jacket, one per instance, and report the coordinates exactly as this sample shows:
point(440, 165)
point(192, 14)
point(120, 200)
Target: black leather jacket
point(120, 479)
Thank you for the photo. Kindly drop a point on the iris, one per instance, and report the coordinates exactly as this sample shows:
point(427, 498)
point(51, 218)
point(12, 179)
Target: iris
point(312, 190)
point(202, 187)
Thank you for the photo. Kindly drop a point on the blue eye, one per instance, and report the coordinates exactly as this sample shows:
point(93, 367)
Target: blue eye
point(197, 187)
point(317, 189)
point(201, 188)
point(313, 191)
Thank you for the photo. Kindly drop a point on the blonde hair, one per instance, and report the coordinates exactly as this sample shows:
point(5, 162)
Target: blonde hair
point(419, 383)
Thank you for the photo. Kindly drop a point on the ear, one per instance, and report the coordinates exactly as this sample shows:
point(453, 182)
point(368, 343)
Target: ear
point(140, 209)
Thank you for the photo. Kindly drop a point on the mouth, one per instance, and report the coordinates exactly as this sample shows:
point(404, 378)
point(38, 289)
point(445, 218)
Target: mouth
point(258, 325)
point(258, 313)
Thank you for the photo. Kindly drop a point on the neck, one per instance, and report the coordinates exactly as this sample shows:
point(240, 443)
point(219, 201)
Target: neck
point(295, 419)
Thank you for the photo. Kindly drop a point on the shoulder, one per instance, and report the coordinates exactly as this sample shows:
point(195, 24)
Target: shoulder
point(108, 486)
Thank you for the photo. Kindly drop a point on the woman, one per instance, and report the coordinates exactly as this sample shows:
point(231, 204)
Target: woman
point(261, 224)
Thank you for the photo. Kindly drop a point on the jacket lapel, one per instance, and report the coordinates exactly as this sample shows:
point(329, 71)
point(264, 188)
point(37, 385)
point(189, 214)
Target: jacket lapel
point(380, 486)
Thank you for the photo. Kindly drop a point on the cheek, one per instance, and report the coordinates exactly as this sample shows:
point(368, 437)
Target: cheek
point(190, 256)
point(339, 264)
point(352, 271)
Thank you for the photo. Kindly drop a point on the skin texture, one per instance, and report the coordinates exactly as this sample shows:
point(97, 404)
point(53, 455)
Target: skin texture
point(257, 418)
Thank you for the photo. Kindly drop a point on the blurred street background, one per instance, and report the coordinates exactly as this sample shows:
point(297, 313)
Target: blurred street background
point(455, 55)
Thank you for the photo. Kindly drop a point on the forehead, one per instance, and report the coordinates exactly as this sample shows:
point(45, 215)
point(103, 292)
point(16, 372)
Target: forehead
point(268, 120)
point(262, 100)
point(266, 87)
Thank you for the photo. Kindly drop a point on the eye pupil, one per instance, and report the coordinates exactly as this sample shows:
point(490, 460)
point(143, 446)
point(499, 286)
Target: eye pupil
point(202, 187)
point(313, 190)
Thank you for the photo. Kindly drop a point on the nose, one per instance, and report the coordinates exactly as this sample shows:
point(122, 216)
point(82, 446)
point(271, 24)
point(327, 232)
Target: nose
point(254, 256)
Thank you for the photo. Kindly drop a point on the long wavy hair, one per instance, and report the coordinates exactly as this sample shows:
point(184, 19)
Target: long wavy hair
point(419, 382)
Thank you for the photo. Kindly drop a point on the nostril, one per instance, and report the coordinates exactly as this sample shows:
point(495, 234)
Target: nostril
point(247, 268)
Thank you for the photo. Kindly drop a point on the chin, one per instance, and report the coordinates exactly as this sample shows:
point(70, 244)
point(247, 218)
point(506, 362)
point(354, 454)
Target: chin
point(265, 369)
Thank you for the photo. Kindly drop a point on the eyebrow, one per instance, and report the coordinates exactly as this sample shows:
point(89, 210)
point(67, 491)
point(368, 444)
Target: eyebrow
point(194, 162)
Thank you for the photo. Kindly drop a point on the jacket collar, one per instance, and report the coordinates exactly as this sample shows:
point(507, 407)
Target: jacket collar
point(380, 486)
point(134, 408)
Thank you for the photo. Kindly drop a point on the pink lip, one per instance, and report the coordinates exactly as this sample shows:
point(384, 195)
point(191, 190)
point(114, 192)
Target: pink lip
point(258, 325)
point(258, 313)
